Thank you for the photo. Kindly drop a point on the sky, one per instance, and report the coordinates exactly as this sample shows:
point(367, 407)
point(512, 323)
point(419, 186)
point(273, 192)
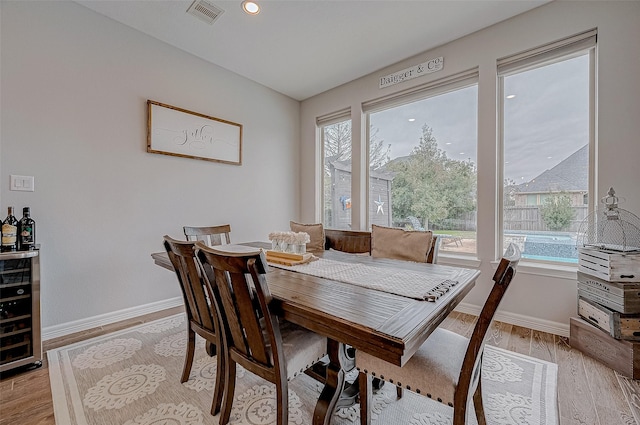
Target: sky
point(546, 120)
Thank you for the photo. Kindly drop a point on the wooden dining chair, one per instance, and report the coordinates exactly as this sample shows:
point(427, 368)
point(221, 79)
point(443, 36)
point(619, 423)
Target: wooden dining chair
point(432, 256)
point(447, 367)
point(399, 244)
point(351, 241)
point(409, 245)
point(254, 337)
point(201, 315)
point(210, 235)
point(315, 232)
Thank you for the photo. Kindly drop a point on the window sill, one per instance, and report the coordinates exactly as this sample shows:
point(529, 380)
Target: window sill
point(458, 260)
point(559, 271)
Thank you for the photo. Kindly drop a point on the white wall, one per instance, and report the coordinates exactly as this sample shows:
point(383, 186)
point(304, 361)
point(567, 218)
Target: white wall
point(74, 87)
point(535, 299)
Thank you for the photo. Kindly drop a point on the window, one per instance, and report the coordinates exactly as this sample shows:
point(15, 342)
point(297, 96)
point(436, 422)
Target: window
point(547, 104)
point(422, 162)
point(336, 165)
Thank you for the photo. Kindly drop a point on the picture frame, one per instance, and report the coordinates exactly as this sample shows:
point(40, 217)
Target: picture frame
point(178, 132)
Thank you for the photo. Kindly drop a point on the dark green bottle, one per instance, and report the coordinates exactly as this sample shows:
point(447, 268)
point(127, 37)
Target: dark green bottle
point(26, 231)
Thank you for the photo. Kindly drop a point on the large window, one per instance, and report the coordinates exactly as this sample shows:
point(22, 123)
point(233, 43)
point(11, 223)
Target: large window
point(547, 110)
point(336, 176)
point(422, 163)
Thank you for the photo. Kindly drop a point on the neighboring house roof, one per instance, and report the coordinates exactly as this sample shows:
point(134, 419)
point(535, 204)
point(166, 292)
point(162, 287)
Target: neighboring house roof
point(570, 175)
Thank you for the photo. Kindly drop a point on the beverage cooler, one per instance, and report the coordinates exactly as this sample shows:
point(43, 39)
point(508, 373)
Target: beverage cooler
point(20, 333)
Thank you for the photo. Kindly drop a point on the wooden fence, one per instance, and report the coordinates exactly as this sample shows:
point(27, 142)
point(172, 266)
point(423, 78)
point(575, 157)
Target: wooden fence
point(528, 218)
point(525, 218)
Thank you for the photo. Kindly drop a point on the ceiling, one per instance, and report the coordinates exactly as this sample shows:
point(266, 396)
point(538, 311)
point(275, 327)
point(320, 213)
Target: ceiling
point(304, 47)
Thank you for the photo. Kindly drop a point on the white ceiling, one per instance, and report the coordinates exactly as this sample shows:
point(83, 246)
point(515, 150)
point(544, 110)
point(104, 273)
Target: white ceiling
point(304, 47)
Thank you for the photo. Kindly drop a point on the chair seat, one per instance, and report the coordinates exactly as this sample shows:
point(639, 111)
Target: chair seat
point(432, 371)
point(300, 346)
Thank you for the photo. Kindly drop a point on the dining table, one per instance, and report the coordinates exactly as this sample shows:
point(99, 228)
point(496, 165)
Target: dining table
point(382, 323)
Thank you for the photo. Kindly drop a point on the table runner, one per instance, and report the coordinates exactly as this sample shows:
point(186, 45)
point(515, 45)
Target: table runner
point(407, 283)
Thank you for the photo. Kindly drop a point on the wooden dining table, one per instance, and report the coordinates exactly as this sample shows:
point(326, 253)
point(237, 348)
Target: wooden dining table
point(388, 326)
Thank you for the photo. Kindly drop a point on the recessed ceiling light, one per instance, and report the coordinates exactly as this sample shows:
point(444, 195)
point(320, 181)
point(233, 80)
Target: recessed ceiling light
point(511, 96)
point(461, 153)
point(448, 143)
point(412, 119)
point(250, 7)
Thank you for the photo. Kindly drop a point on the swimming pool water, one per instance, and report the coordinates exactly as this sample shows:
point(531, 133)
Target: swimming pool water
point(550, 247)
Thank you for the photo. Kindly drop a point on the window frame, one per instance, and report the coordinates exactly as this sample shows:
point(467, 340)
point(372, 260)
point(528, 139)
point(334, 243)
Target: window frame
point(564, 49)
point(322, 122)
point(448, 84)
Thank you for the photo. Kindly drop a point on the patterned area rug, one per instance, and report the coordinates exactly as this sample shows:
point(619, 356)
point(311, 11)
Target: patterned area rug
point(132, 377)
point(631, 390)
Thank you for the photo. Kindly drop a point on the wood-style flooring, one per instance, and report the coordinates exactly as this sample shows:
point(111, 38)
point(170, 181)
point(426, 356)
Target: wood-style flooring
point(588, 391)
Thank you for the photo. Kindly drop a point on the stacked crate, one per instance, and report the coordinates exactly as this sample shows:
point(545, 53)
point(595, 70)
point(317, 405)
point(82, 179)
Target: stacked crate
point(609, 308)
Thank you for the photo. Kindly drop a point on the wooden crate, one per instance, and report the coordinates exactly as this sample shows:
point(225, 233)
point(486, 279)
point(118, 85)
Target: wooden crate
point(610, 266)
point(618, 296)
point(618, 325)
point(618, 354)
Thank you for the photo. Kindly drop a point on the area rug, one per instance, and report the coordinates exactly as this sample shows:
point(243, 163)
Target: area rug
point(132, 377)
point(631, 390)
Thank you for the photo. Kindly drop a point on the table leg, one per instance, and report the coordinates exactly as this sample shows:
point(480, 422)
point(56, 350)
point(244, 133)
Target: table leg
point(333, 386)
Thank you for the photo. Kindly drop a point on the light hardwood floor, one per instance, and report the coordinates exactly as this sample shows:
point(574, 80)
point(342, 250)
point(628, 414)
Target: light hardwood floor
point(589, 392)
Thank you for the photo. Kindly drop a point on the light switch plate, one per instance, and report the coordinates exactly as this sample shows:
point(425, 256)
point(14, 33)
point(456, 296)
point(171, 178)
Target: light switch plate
point(22, 183)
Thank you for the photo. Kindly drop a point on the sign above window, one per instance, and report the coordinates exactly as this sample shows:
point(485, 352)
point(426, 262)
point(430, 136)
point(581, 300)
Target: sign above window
point(428, 67)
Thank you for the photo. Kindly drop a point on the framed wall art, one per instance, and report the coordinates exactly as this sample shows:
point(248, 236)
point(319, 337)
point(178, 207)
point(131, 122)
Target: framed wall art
point(178, 132)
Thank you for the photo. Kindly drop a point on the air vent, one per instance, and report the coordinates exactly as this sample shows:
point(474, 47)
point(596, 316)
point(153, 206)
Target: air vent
point(205, 10)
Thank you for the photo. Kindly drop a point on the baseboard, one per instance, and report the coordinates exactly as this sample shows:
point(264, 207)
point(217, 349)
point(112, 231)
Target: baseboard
point(534, 323)
point(68, 328)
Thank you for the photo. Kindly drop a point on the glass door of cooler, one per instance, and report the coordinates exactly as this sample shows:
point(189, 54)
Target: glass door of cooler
point(20, 341)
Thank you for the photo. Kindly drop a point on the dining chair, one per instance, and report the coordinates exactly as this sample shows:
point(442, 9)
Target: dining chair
point(315, 232)
point(210, 235)
point(447, 367)
point(432, 256)
point(409, 245)
point(254, 337)
point(201, 315)
point(351, 241)
point(399, 244)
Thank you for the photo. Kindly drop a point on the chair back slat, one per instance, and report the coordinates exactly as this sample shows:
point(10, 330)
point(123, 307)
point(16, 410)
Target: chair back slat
point(243, 302)
point(209, 235)
point(194, 290)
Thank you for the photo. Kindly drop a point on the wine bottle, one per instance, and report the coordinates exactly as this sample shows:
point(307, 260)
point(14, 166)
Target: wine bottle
point(9, 232)
point(26, 231)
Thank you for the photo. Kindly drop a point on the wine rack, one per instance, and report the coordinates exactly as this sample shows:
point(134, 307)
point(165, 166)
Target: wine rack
point(20, 339)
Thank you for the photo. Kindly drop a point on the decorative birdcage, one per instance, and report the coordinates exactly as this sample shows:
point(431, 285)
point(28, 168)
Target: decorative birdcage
point(610, 228)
